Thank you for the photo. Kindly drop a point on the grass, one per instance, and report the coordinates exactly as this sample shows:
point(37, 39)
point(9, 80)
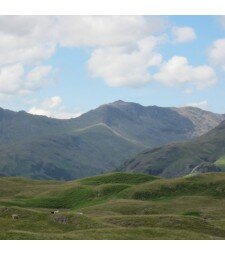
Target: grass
point(221, 163)
point(114, 206)
point(125, 178)
point(193, 213)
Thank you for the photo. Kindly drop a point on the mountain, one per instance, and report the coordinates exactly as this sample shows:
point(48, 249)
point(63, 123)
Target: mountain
point(97, 141)
point(151, 126)
point(203, 154)
point(66, 156)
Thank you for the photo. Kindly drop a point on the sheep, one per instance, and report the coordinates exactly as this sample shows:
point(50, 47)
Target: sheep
point(15, 216)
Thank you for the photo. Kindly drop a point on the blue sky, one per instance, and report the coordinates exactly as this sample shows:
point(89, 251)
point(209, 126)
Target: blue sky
point(64, 66)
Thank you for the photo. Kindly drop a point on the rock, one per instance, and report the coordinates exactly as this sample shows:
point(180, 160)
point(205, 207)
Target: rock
point(61, 219)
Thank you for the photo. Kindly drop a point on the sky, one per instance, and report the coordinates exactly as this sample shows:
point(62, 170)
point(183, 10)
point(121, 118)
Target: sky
point(63, 66)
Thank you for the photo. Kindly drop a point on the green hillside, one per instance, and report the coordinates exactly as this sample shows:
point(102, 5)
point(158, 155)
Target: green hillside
point(203, 154)
point(64, 156)
point(221, 163)
point(114, 206)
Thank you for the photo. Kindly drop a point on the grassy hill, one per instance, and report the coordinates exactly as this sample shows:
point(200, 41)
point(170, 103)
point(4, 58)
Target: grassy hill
point(114, 206)
point(97, 141)
point(203, 154)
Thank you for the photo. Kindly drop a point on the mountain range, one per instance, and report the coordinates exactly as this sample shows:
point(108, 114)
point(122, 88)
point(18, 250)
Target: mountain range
point(97, 141)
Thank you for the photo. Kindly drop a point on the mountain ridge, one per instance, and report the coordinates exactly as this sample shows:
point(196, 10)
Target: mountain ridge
point(95, 142)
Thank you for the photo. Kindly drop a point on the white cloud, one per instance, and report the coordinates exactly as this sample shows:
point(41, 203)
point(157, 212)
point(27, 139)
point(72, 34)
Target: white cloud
point(178, 71)
point(183, 34)
point(123, 50)
point(123, 66)
point(26, 54)
point(73, 31)
point(99, 31)
point(30, 40)
point(36, 77)
point(22, 25)
point(52, 102)
point(216, 53)
point(202, 104)
point(25, 42)
point(26, 39)
point(11, 78)
point(14, 80)
point(39, 111)
point(54, 107)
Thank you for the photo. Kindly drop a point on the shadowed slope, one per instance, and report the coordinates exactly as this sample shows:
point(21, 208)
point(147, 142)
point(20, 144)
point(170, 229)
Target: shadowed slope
point(177, 159)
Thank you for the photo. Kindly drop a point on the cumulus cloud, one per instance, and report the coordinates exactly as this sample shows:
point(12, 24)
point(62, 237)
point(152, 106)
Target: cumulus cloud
point(33, 54)
point(14, 80)
point(216, 53)
point(27, 41)
point(55, 108)
point(11, 78)
point(99, 31)
point(183, 34)
point(123, 66)
point(123, 50)
point(178, 71)
point(204, 105)
point(37, 77)
point(51, 103)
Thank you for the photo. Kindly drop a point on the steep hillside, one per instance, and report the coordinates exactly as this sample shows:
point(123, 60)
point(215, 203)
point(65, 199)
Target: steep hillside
point(66, 156)
point(114, 206)
point(98, 141)
point(203, 154)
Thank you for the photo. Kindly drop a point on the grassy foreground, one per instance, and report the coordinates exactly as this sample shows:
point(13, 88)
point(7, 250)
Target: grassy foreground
point(114, 206)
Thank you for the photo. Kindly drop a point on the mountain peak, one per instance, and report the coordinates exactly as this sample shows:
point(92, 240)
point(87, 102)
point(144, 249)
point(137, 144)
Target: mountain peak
point(118, 102)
